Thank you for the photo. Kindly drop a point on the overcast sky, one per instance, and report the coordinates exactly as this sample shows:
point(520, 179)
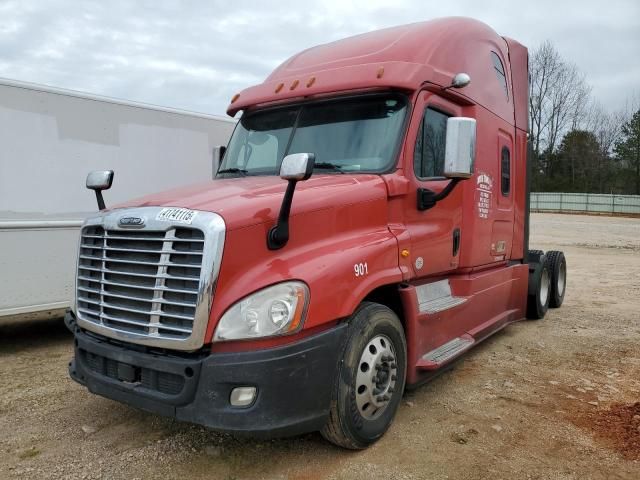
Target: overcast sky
point(196, 54)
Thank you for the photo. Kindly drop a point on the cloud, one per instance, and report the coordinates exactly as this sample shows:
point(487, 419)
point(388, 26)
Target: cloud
point(195, 55)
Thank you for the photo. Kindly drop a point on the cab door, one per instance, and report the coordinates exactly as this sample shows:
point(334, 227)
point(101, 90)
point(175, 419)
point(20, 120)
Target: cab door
point(502, 231)
point(434, 232)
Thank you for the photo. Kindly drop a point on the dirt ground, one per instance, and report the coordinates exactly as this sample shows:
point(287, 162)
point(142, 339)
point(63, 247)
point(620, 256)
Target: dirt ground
point(553, 399)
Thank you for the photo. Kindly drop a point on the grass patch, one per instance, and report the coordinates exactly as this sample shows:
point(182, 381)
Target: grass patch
point(30, 453)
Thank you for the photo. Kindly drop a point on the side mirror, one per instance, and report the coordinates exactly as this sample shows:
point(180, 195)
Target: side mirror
point(97, 181)
point(218, 154)
point(297, 166)
point(460, 147)
point(100, 180)
point(294, 168)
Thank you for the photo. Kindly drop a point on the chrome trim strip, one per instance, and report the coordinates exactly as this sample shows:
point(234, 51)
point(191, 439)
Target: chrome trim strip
point(138, 262)
point(128, 321)
point(139, 287)
point(143, 275)
point(150, 239)
point(39, 224)
point(139, 299)
point(214, 229)
point(34, 310)
point(139, 250)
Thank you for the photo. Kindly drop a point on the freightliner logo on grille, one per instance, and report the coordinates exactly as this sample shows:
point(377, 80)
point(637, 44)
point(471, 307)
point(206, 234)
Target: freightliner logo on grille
point(131, 222)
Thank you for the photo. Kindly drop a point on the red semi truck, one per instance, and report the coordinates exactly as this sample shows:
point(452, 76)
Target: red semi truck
point(367, 226)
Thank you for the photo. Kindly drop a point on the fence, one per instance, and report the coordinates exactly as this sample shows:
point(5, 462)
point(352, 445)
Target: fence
point(585, 202)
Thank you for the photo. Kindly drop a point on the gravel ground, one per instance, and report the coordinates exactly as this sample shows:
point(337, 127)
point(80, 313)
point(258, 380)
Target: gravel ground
point(554, 399)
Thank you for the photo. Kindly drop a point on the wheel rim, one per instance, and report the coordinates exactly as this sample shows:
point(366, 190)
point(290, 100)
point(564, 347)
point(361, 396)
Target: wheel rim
point(544, 286)
point(562, 278)
point(376, 378)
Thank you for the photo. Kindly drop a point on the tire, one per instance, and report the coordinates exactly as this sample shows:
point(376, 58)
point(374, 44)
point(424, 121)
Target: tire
point(557, 266)
point(539, 292)
point(535, 256)
point(361, 409)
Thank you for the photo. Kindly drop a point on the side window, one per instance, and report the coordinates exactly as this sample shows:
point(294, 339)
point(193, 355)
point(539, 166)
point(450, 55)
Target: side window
point(428, 157)
point(499, 69)
point(505, 171)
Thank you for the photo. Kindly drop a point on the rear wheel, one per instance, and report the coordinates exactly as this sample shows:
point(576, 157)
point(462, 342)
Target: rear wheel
point(557, 266)
point(539, 292)
point(371, 378)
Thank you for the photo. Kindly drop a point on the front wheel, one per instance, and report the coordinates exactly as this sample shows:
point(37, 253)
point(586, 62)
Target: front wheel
point(370, 380)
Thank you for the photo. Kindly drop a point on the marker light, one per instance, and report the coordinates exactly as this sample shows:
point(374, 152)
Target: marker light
point(275, 310)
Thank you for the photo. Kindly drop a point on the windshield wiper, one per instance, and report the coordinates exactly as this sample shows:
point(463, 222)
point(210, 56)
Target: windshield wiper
point(328, 166)
point(233, 170)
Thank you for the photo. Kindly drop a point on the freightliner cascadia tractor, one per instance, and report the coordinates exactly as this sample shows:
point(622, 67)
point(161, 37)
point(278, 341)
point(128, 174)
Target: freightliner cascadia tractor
point(367, 226)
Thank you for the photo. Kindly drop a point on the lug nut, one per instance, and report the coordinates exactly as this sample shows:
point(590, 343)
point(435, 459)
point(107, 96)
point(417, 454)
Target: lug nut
point(393, 378)
point(393, 365)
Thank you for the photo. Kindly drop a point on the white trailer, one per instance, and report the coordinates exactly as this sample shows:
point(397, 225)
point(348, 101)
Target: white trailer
point(50, 139)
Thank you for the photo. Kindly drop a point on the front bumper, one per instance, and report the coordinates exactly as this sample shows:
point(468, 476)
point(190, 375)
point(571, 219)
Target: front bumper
point(293, 382)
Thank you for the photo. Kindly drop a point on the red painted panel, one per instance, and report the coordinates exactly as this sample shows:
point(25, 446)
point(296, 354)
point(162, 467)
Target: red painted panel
point(519, 60)
point(431, 231)
point(520, 193)
point(495, 298)
point(323, 248)
point(399, 57)
point(483, 204)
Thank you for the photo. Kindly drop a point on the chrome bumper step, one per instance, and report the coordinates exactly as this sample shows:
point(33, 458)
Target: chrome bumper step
point(436, 297)
point(444, 353)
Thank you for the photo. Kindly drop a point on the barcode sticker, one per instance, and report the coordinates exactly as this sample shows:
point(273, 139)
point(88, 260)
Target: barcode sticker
point(178, 215)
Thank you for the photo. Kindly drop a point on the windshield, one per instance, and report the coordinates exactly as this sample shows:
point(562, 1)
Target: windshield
point(355, 135)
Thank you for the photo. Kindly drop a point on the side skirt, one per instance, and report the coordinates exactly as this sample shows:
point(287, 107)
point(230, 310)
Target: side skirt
point(469, 308)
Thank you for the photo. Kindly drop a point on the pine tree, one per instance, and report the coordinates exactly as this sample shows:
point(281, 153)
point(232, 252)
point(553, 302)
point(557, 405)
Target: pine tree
point(627, 149)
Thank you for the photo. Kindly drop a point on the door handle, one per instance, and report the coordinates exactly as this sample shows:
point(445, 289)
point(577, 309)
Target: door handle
point(456, 241)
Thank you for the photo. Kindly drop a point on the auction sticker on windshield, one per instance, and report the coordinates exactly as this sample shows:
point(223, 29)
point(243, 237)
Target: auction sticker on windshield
point(179, 215)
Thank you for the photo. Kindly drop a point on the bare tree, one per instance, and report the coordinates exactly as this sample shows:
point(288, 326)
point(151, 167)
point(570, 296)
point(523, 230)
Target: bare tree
point(604, 125)
point(543, 66)
point(607, 128)
point(569, 99)
point(558, 100)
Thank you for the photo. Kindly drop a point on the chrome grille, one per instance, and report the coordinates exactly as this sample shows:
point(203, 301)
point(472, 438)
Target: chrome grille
point(143, 282)
point(151, 283)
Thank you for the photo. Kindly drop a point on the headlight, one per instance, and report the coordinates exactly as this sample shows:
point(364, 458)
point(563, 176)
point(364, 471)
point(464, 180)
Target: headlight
point(275, 310)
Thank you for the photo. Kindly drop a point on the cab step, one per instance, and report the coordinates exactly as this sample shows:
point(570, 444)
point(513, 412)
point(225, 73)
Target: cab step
point(436, 297)
point(444, 353)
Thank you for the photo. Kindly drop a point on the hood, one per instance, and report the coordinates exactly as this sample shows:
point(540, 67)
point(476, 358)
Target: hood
point(251, 200)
